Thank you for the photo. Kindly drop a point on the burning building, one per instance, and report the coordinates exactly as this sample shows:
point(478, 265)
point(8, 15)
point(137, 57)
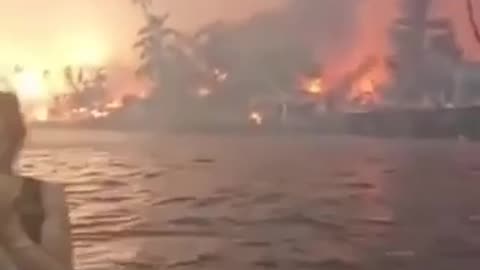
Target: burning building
point(284, 64)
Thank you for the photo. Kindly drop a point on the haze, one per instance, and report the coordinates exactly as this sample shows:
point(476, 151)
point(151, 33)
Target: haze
point(52, 32)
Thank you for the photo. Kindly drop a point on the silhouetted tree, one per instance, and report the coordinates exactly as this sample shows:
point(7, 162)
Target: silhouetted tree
point(89, 90)
point(168, 60)
point(145, 5)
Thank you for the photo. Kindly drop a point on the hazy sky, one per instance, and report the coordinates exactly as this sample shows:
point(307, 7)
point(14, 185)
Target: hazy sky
point(51, 32)
point(38, 31)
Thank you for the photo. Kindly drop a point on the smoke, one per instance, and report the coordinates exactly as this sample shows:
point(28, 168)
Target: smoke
point(330, 38)
point(457, 12)
point(275, 46)
point(266, 54)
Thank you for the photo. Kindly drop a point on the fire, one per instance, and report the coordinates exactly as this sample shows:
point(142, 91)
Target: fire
point(204, 92)
point(314, 86)
point(366, 86)
point(116, 104)
point(220, 75)
point(98, 113)
point(47, 95)
point(30, 86)
point(80, 110)
point(364, 92)
point(40, 114)
point(85, 113)
point(257, 118)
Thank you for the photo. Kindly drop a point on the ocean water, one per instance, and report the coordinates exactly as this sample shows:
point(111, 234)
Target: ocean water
point(150, 201)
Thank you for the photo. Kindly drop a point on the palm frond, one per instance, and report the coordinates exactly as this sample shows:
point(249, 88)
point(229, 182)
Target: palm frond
point(143, 42)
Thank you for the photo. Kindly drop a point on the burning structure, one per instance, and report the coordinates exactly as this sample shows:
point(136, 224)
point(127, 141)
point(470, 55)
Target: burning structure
point(73, 94)
point(225, 72)
point(290, 65)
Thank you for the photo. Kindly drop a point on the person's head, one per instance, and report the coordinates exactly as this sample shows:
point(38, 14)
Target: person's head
point(12, 130)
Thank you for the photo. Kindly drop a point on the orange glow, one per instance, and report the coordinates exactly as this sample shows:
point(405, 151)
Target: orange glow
point(99, 114)
point(364, 92)
point(114, 105)
point(370, 39)
point(40, 114)
point(257, 118)
point(30, 86)
point(45, 95)
point(86, 50)
point(314, 86)
point(204, 92)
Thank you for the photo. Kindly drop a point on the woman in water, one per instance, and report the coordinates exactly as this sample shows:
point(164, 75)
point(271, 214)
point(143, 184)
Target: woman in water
point(36, 233)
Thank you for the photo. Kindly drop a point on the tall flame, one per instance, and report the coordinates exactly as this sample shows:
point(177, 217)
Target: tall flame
point(364, 92)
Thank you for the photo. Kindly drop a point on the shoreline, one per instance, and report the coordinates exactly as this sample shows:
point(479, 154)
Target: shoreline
point(384, 123)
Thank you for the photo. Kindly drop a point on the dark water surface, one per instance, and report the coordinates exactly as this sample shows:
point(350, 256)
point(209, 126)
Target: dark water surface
point(142, 201)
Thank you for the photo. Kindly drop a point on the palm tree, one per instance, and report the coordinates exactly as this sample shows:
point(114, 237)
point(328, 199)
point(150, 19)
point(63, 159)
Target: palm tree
point(167, 59)
point(87, 90)
point(145, 5)
point(153, 43)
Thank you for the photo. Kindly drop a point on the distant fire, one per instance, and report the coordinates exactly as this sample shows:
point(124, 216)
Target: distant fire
point(256, 118)
point(358, 86)
point(314, 86)
point(364, 92)
point(114, 105)
point(99, 114)
point(203, 92)
point(40, 114)
point(220, 76)
point(50, 96)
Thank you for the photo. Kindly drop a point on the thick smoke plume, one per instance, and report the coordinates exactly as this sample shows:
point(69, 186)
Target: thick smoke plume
point(263, 56)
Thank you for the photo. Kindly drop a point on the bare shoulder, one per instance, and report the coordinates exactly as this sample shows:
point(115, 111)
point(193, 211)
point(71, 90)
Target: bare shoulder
point(5, 260)
point(54, 199)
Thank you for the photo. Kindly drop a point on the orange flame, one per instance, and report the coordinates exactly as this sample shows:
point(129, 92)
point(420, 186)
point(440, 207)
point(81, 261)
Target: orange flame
point(47, 96)
point(257, 118)
point(314, 86)
point(204, 92)
point(364, 92)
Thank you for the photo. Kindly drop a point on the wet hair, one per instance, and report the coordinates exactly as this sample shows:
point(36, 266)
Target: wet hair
point(29, 203)
point(14, 129)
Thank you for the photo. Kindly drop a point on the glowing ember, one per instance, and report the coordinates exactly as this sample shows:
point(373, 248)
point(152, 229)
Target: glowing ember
point(257, 118)
point(314, 86)
point(204, 92)
point(221, 76)
point(98, 114)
